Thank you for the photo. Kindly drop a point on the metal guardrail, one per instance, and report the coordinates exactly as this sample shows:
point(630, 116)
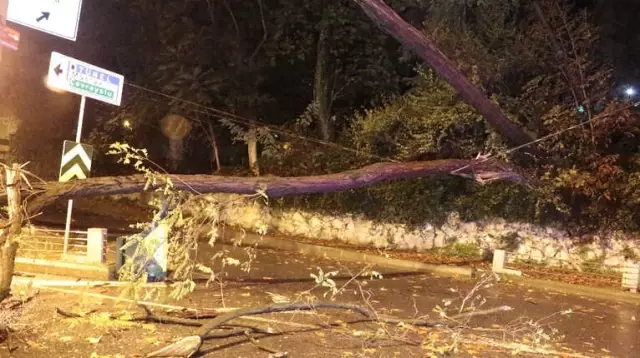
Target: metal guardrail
point(49, 243)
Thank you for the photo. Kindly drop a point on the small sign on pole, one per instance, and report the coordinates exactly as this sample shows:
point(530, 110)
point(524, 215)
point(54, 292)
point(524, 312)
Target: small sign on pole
point(76, 161)
point(55, 17)
point(84, 79)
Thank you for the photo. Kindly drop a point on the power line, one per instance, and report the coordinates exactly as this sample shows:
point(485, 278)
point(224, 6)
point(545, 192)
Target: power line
point(221, 114)
point(550, 135)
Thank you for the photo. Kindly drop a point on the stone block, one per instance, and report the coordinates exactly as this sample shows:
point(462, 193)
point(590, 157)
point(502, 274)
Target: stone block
point(631, 276)
point(96, 245)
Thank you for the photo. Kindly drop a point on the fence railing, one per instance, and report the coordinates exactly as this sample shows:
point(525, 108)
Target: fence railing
point(625, 275)
point(88, 246)
point(91, 247)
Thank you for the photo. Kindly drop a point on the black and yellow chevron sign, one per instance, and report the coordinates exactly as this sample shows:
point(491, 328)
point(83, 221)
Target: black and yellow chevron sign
point(76, 161)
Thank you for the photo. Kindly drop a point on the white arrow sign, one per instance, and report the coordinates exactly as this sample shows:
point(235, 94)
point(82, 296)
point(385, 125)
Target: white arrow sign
point(79, 152)
point(56, 17)
point(76, 161)
point(74, 172)
point(84, 79)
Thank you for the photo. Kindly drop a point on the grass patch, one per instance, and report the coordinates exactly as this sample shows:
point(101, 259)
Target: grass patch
point(462, 250)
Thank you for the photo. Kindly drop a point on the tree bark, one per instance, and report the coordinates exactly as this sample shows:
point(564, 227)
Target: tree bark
point(8, 239)
point(252, 147)
point(322, 85)
point(214, 146)
point(480, 170)
point(390, 22)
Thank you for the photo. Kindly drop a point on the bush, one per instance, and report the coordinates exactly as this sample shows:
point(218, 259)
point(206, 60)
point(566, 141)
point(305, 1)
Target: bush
point(590, 177)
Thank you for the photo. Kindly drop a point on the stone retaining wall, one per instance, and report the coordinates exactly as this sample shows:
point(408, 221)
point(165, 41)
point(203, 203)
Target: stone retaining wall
point(550, 245)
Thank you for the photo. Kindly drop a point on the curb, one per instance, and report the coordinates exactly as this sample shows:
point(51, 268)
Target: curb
point(600, 293)
point(271, 242)
point(347, 255)
point(61, 268)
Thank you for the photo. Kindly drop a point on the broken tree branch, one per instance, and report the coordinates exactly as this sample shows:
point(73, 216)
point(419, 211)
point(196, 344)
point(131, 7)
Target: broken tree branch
point(480, 170)
point(191, 344)
point(153, 317)
point(255, 342)
point(148, 316)
point(484, 312)
point(249, 311)
point(120, 299)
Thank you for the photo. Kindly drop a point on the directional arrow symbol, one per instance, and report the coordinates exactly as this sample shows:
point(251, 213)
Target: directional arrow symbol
point(45, 16)
point(57, 70)
point(76, 161)
point(77, 151)
point(75, 172)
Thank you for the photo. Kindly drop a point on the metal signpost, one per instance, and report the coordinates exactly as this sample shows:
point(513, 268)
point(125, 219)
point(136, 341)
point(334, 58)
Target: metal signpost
point(56, 17)
point(75, 164)
point(86, 80)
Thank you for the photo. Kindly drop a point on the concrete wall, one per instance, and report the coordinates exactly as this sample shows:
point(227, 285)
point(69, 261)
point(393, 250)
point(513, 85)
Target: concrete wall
point(550, 245)
point(525, 241)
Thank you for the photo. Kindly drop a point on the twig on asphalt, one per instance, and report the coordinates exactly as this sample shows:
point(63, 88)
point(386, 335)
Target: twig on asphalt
point(15, 302)
point(255, 342)
point(153, 317)
point(482, 312)
point(69, 314)
point(308, 306)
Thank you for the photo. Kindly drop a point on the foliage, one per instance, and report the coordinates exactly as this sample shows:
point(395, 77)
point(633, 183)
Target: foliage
point(428, 122)
point(253, 59)
point(257, 59)
point(189, 217)
point(461, 250)
point(546, 72)
point(510, 242)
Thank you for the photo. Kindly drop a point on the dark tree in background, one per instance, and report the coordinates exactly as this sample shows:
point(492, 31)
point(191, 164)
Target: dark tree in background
point(285, 72)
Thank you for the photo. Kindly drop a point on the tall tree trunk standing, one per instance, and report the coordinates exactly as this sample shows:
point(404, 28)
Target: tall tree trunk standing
point(322, 78)
point(252, 147)
point(175, 153)
point(390, 22)
point(11, 232)
point(214, 146)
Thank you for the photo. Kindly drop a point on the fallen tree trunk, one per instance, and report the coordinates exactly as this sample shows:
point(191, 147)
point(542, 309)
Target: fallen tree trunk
point(390, 22)
point(478, 169)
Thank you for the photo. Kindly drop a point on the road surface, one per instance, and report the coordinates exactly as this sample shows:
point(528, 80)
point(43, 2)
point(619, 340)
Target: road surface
point(593, 328)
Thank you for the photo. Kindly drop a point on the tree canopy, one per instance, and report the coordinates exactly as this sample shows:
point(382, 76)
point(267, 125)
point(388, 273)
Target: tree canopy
point(328, 91)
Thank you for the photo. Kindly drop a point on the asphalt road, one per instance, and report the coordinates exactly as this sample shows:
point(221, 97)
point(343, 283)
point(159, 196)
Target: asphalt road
point(593, 328)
